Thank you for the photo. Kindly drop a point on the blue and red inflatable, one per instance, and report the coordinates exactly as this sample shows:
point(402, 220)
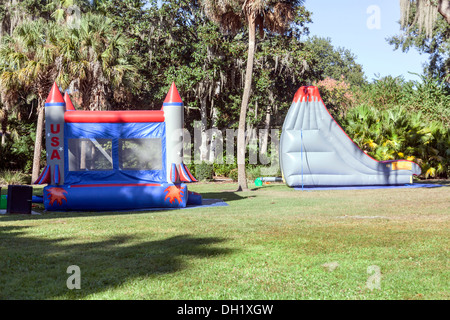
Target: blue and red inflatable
point(115, 160)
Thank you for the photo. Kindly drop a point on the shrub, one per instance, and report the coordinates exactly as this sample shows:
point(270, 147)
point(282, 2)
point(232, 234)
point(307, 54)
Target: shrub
point(9, 177)
point(336, 95)
point(384, 92)
point(204, 171)
point(430, 96)
point(16, 153)
point(398, 134)
point(224, 169)
point(233, 175)
point(253, 172)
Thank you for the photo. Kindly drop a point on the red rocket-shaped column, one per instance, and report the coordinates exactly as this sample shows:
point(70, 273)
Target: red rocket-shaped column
point(69, 104)
point(174, 118)
point(54, 131)
point(173, 97)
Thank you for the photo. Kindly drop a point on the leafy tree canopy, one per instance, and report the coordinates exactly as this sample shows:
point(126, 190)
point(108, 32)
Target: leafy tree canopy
point(435, 42)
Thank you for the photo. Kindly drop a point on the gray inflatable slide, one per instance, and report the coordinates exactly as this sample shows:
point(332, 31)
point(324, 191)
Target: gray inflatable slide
point(315, 151)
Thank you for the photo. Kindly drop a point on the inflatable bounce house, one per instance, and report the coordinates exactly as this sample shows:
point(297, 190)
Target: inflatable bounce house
point(115, 160)
point(315, 151)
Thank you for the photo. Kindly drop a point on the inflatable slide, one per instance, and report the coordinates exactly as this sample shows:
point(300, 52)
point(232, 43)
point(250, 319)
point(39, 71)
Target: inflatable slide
point(315, 150)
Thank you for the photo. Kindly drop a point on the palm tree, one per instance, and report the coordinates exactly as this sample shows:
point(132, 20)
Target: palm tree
point(10, 62)
point(95, 61)
point(8, 96)
point(34, 55)
point(231, 15)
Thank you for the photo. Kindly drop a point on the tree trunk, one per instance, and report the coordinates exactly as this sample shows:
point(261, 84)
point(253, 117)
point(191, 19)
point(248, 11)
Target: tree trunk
point(214, 136)
point(38, 143)
point(4, 124)
point(203, 128)
point(444, 9)
point(264, 137)
point(83, 155)
point(241, 147)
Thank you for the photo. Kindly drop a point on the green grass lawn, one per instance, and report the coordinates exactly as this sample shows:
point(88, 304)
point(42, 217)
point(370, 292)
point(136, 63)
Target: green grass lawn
point(270, 243)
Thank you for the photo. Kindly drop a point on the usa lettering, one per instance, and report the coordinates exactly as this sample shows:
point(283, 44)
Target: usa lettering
point(55, 129)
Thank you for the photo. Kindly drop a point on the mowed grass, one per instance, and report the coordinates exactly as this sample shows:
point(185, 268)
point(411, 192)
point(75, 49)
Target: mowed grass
point(270, 243)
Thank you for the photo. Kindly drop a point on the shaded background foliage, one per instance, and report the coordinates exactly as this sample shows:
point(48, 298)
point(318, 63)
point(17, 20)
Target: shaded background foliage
point(139, 47)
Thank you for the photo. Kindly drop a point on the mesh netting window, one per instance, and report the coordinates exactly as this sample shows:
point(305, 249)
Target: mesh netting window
point(90, 154)
point(140, 154)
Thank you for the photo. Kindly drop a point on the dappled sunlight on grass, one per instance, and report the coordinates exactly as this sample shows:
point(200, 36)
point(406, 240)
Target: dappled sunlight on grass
point(271, 242)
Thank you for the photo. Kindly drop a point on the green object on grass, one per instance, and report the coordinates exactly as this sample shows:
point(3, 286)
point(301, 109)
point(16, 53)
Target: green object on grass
point(258, 182)
point(3, 201)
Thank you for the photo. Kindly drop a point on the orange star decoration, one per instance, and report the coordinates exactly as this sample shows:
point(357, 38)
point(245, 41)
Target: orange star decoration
point(174, 192)
point(56, 194)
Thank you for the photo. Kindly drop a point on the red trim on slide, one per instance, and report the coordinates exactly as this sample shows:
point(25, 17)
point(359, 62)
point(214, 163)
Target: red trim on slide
point(300, 94)
point(114, 116)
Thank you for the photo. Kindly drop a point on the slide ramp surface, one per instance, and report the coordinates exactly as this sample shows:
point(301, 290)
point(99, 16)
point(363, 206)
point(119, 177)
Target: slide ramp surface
point(315, 150)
